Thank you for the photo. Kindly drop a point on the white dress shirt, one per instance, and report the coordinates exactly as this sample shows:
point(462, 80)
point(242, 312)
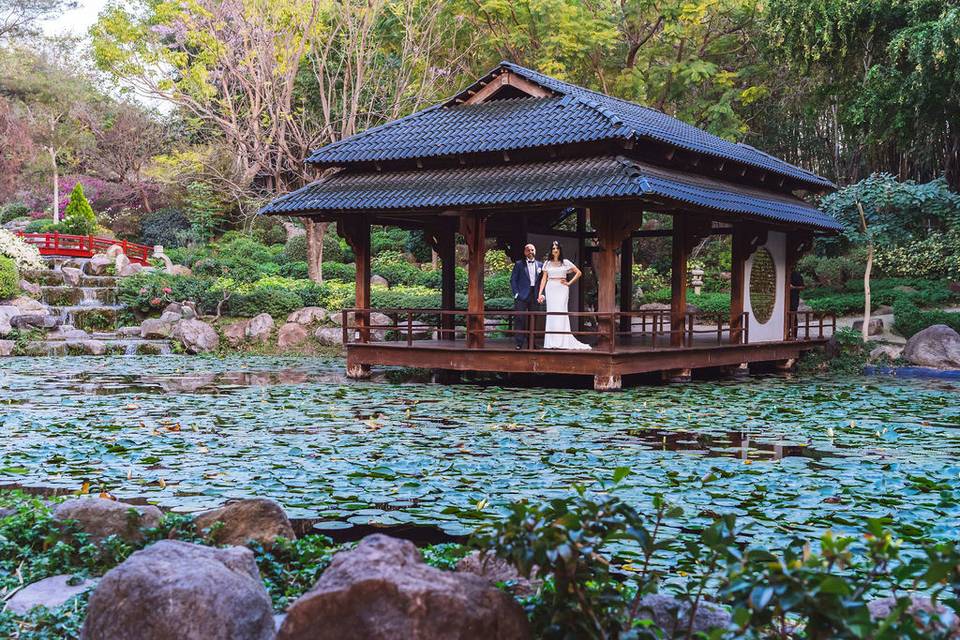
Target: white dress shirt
point(532, 272)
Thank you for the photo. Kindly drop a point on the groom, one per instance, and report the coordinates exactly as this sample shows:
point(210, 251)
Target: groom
point(524, 282)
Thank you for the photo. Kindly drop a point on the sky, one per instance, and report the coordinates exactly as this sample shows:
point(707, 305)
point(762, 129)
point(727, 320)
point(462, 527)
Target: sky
point(77, 21)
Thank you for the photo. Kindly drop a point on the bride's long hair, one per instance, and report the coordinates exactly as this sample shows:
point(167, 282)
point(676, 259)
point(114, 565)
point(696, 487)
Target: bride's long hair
point(555, 245)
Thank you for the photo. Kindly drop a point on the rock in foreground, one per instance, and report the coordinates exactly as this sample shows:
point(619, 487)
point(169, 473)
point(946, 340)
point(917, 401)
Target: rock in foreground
point(243, 520)
point(101, 517)
point(937, 346)
point(50, 593)
point(673, 615)
point(382, 590)
point(196, 336)
point(182, 591)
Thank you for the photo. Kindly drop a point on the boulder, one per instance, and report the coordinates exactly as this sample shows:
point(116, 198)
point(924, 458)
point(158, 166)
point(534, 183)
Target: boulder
point(177, 590)
point(128, 332)
point(99, 264)
point(874, 328)
point(937, 346)
point(130, 269)
point(179, 270)
point(174, 307)
point(886, 351)
point(7, 313)
point(171, 316)
point(927, 617)
point(155, 329)
point(196, 336)
point(260, 327)
point(71, 276)
point(383, 590)
point(189, 313)
point(67, 332)
point(291, 335)
point(378, 281)
point(50, 593)
point(94, 347)
point(7, 347)
point(30, 306)
point(884, 310)
point(336, 318)
point(495, 569)
point(101, 517)
point(33, 321)
point(235, 333)
point(673, 615)
point(308, 316)
point(120, 261)
point(329, 336)
point(30, 288)
point(114, 251)
point(256, 519)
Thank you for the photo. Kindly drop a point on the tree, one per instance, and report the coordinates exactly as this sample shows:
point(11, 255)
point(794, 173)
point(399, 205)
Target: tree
point(20, 17)
point(79, 217)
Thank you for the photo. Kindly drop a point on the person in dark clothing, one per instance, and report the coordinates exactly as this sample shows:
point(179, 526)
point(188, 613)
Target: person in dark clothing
point(523, 282)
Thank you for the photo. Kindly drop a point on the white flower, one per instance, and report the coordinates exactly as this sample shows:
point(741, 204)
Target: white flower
point(23, 253)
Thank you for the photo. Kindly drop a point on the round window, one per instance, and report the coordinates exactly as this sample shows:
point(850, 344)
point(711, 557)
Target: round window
point(763, 285)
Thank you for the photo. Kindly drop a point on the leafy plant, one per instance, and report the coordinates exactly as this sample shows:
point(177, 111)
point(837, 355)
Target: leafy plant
point(79, 217)
point(9, 278)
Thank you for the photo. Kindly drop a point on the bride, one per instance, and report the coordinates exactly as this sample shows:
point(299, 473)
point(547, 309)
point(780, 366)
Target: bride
point(557, 288)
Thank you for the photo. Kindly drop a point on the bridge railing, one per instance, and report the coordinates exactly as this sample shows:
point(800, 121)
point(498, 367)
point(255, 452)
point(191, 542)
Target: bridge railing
point(64, 244)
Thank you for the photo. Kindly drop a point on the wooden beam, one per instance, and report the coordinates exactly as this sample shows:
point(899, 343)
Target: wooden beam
point(356, 231)
point(473, 230)
point(739, 252)
point(447, 250)
point(613, 226)
point(626, 283)
point(797, 243)
point(508, 79)
point(678, 281)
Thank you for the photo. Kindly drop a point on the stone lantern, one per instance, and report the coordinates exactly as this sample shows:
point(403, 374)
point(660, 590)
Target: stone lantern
point(696, 279)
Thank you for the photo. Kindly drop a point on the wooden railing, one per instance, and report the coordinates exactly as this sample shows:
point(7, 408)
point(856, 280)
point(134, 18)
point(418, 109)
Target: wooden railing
point(810, 325)
point(61, 244)
point(602, 330)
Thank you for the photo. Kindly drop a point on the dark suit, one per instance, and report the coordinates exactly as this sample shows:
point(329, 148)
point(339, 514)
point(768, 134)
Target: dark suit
point(524, 295)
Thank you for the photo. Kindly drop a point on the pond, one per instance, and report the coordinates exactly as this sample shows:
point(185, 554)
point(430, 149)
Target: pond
point(788, 454)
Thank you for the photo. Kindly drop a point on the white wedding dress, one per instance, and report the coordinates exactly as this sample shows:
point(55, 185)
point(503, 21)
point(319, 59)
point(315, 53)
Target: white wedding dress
point(558, 334)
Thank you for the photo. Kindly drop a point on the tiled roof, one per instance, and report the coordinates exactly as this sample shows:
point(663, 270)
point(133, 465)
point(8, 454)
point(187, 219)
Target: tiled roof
point(560, 181)
point(575, 114)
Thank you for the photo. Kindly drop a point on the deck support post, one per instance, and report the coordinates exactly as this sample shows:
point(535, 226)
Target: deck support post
point(607, 383)
point(473, 229)
point(677, 375)
point(678, 281)
point(626, 284)
point(444, 242)
point(613, 227)
point(356, 231)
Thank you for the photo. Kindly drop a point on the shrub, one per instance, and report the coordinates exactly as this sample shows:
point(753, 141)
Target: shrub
point(936, 256)
point(12, 211)
point(498, 262)
point(296, 270)
point(333, 246)
point(79, 217)
point(9, 278)
point(150, 292)
point(269, 231)
point(497, 286)
point(296, 249)
point(339, 271)
point(388, 239)
point(164, 227)
point(394, 267)
point(418, 246)
point(273, 300)
point(830, 272)
point(41, 225)
point(909, 320)
point(24, 255)
point(647, 279)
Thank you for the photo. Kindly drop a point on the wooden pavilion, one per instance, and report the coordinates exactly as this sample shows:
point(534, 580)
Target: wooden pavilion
point(521, 155)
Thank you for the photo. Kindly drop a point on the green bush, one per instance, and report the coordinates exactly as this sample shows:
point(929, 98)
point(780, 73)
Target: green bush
point(333, 246)
point(272, 300)
point(42, 225)
point(9, 278)
point(388, 239)
point(339, 271)
point(165, 227)
point(883, 291)
point(12, 211)
point(392, 266)
point(497, 286)
point(936, 256)
point(297, 270)
point(418, 246)
point(150, 292)
point(79, 218)
point(829, 272)
point(909, 320)
point(296, 249)
point(269, 231)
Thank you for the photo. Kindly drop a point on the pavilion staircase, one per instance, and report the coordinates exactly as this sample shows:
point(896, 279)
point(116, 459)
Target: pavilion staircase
point(78, 316)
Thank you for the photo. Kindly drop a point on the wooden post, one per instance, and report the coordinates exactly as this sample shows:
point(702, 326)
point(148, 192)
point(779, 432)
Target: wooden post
point(626, 284)
point(356, 231)
point(797, 243)
point(678, 280)
point(577, 322)
point(473, 229)
point(447, 250)
point(613, 226)
point(738, 268)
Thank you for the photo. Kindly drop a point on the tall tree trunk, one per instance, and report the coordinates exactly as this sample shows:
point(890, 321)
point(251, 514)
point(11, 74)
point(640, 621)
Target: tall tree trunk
point(315, 233)
point(56, 184)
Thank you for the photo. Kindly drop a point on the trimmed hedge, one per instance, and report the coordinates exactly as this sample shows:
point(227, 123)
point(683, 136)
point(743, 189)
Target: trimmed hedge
point(9, 278)
point(909, 320)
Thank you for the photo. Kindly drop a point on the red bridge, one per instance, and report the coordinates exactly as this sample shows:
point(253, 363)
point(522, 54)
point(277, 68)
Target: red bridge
point(59, 244)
